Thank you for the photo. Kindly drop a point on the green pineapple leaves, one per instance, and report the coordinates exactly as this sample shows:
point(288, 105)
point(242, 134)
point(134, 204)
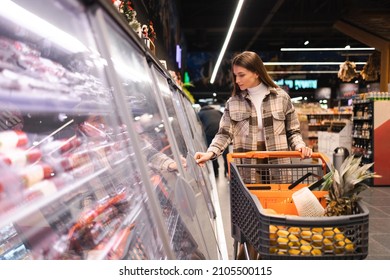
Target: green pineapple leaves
point(344, 186)
point(353, 175)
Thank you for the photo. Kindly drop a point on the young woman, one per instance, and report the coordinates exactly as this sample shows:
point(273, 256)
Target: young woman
point(258, 116)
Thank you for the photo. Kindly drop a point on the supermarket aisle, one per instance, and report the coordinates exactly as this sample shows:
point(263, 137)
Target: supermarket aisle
point(376, 199)
point(224, 200)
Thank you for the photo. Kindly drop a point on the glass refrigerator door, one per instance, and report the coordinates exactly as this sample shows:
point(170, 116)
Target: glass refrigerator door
point(175, 196)
point(196, 132)
point(69, 183)
point(194, 122)
point(192, 172)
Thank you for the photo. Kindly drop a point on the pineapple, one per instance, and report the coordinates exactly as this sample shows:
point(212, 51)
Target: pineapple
point(344, 187)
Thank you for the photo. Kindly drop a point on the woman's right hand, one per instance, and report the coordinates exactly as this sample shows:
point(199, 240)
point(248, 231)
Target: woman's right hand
point(201, 158)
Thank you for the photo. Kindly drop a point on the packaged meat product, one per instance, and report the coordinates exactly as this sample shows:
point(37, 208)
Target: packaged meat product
point(48, 187)
point(11, 50)
point(75, 160)
point(83, 170)
point(19, 157)
point(35, 173)
point(40, 189)
point(61, 146)
point(103, 156)
point(94, 131)
point(11, 139)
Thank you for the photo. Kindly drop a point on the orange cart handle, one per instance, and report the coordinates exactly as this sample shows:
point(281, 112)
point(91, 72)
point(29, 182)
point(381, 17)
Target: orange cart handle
point(276, 154)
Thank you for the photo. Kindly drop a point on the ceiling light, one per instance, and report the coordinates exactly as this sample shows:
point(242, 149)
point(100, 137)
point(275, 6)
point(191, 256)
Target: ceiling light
point(310, 63)
point(295, 99)
point(306, 43)
point(44, 29)
point(325, 49)
point(304, 72)
point(225, 44)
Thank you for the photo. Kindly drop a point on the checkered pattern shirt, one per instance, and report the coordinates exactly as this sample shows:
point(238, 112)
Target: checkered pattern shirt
point(239, 125)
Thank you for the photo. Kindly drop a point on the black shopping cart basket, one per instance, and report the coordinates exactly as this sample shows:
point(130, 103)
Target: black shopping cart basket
point(264, 217)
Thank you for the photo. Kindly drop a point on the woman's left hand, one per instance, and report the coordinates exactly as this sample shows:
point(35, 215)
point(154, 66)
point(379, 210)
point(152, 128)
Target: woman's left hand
point(306, 152)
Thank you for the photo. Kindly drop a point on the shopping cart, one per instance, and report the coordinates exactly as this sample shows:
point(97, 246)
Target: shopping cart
point(264, 217)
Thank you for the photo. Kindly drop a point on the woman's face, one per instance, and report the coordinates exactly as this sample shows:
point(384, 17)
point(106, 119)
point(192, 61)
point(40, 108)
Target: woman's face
point(245, 78)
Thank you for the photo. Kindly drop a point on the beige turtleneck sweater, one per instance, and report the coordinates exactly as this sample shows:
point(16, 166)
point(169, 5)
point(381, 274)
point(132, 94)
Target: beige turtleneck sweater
point(257, 95)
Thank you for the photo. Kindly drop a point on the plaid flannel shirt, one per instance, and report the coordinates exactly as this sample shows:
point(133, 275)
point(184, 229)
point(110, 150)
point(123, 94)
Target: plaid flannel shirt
point(239, 125)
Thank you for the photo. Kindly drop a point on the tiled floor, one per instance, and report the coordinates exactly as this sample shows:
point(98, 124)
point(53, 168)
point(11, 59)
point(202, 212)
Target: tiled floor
point(377, 199)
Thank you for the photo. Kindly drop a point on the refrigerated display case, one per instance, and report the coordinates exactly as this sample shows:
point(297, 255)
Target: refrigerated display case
point(94, 158)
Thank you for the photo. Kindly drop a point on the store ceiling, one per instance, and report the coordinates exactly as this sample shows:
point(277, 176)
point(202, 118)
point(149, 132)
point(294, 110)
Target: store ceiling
point(268, 25)
point(265, 26)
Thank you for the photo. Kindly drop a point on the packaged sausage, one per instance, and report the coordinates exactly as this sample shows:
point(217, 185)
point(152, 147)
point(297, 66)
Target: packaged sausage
point(48, 187)
point(35, 173)
point(61, 146)
point(75, 160)
point(19, 157)
point(11, 139)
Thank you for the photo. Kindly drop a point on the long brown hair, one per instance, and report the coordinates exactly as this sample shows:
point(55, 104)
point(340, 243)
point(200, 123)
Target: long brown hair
point(252, 62)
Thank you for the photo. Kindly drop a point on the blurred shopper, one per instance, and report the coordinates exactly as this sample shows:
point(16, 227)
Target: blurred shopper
point(210, 118)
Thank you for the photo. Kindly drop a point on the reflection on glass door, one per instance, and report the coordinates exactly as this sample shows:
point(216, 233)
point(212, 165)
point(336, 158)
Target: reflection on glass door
point(69, 182)
point(193, 173)
point(177, 199)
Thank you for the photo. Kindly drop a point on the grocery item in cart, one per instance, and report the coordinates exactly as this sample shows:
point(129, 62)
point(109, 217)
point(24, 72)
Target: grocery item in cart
point(307, 203)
